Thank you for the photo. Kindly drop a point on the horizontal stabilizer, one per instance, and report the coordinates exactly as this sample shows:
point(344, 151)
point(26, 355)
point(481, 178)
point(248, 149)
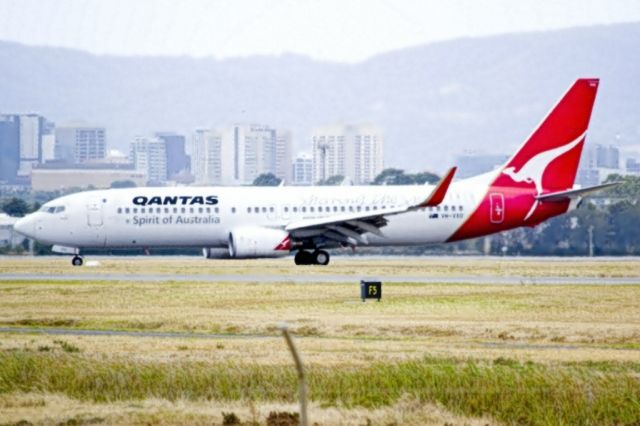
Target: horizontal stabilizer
point(573, 193)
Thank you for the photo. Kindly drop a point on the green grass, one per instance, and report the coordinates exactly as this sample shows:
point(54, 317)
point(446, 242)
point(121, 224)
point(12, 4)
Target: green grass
point(507, 390)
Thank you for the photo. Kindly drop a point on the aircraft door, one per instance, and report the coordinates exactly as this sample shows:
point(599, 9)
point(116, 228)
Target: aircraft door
point(496, 204)
point(95, 235)
point(94, 213)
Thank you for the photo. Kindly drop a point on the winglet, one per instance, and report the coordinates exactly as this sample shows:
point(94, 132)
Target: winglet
point(439, 192)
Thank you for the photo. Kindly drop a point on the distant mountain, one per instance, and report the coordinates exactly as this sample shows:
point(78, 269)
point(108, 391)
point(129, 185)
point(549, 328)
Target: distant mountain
point(433, 101)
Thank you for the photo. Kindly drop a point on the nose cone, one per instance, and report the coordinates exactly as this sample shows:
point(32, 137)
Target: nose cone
point(25, 226)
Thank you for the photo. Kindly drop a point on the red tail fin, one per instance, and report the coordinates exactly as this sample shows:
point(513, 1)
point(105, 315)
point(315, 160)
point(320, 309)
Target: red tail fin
point(547, 162)
point(550, 156)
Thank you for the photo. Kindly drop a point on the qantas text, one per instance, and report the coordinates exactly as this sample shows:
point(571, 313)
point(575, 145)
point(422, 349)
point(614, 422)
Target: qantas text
point(184, 200)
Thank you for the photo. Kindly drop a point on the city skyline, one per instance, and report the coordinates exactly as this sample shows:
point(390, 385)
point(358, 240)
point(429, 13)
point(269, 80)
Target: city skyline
point(39, 153)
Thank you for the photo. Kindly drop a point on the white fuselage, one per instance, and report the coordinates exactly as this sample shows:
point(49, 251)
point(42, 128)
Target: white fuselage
point(183, 217)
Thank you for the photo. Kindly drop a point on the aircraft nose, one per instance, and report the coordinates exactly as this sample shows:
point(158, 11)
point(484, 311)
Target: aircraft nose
point(25, 226)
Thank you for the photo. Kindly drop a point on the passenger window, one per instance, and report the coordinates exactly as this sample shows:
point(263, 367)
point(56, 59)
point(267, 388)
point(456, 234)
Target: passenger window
point(453, 208)
point(367, 208)
point(375, 207)
point(295, 210)
point(135, 210)
point(264, 210)
point(233, 210)
point(271, 209)
point(183, 210)
point(335, 208)
point(446, 208)
point(248, 209)
point(158, 210)
point(256, 209)
point(200, 210)
point(175, 210)
point(460, 208)
point(304, 209)
point(350, 208)
point(311, 209)
point(217, 210)
point(342, 208)
point(119, 210)
point(143, 210)
point(126, 210)
point(320, 209)
point(286, 209)
point(358, 208)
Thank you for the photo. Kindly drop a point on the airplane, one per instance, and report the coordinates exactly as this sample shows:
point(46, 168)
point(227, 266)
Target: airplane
point(535, 184)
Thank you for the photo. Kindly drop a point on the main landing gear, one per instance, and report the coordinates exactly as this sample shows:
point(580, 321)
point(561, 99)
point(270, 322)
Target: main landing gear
point(76, 261)
point(318, 257)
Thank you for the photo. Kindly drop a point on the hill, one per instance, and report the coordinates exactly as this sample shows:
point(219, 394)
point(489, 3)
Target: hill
point(433, 101)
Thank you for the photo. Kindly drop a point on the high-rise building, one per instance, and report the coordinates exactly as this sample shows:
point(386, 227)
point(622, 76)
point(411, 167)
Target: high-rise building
point(607, 157)
point(283, 155)
point(9, 147)
point(177, 159)
point(77, 143)
point(633, 166)
point(21, 145)
point(355, 152)
point(48, 147)
point(149, 155)
point(31, 130)
point(236, 155)
point(302, 170)
point(209, 161)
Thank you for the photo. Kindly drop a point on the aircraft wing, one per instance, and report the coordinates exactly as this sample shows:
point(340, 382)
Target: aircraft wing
point(349, 228)
point(574, 193)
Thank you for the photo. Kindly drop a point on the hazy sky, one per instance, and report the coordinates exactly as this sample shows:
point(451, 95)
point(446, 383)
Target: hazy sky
point(337, 30)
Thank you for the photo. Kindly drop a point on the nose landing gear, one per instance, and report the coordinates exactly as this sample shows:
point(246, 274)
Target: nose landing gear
point(318, 257)
point(76, 261)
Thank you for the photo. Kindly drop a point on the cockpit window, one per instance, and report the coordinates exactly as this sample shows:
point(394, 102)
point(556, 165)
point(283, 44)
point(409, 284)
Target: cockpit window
point(52, 209)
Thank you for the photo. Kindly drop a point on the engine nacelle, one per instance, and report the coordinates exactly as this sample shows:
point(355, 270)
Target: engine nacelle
point(215, 253)
point(255, 241)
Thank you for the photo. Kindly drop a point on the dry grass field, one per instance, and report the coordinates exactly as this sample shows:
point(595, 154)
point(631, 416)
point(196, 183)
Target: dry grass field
point(425, 354)
point(432, 266)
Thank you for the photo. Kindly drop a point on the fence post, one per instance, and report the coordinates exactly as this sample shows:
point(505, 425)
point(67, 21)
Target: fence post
point(302, 382)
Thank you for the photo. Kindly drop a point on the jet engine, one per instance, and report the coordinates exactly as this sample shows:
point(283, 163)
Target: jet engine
point(255, 241)
point(215, 253)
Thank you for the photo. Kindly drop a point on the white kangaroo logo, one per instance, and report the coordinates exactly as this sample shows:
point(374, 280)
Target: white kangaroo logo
point(533, 170)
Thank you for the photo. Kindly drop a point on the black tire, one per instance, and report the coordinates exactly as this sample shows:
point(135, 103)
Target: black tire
point(76, 261)
point(321, 257)
point(303, 258)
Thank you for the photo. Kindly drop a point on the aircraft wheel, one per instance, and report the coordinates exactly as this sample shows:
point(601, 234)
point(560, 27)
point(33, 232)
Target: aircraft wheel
point(76, 261)
point(321, 257)
point(303, 258)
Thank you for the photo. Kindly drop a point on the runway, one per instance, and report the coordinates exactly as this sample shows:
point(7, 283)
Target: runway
point(325, 278)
